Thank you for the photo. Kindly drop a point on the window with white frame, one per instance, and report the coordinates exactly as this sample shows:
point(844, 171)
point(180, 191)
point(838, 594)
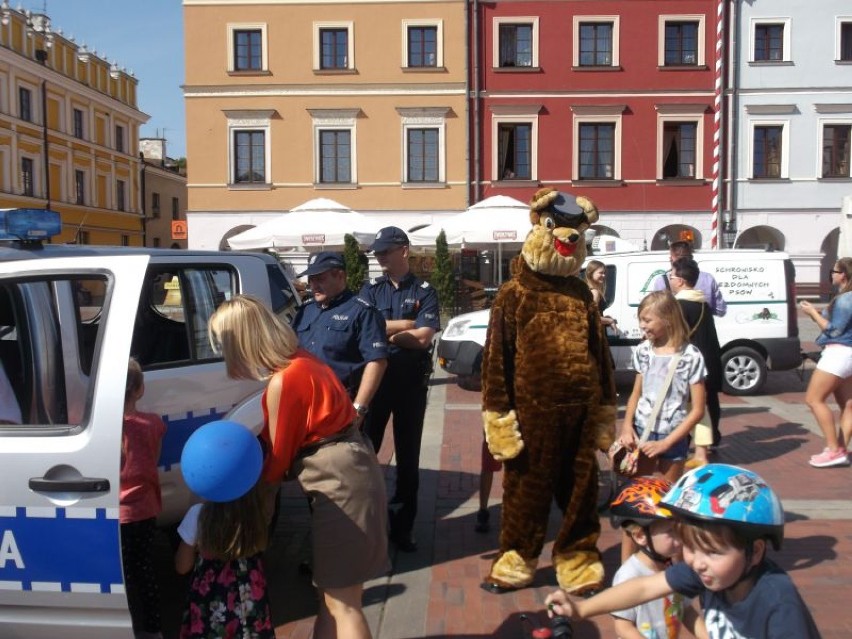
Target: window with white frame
point(334, 48)
point(79, 186)
point(334, 146)
point(680, 141)
point(768, 150)
point(247, 50)
point(836, 141)
point(844, 39)
point(28, 176)
point(121, 195)
point(25, 104)
point(119, 138)
point(770, 40)
point(681, 41)
point(515, 42)
point(596, 41)
point(423, 132)
point(422, 44)
point(249, 142)
point(514, 142)
point(597, 142)
point(77, 124)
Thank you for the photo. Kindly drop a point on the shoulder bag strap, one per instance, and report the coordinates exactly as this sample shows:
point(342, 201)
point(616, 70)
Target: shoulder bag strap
point(661, 396)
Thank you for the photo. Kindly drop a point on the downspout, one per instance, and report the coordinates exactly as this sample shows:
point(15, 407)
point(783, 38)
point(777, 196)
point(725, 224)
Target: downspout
point(144, 206)
point(733, 117)
point(476, 114)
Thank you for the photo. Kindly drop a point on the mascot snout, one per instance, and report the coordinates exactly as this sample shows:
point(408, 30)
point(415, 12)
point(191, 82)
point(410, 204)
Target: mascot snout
point(566, 244)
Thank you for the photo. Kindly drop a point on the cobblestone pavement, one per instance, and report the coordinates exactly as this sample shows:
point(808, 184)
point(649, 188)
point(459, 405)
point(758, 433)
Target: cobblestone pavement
point(435, 592)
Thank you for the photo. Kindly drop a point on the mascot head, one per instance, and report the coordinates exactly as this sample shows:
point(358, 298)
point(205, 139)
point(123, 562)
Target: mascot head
point(556, 245)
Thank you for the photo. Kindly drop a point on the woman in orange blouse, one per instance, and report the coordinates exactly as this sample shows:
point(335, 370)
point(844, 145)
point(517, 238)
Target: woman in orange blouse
point(309, 436)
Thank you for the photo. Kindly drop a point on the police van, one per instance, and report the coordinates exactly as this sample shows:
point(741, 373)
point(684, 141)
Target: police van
point(70, 316)
point(759, 332)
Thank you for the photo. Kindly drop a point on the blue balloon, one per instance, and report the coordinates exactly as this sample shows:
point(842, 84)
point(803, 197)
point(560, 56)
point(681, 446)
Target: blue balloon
point(221, 461)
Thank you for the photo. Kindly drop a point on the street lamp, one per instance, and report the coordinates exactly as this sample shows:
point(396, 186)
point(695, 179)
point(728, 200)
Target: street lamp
point(39, 24)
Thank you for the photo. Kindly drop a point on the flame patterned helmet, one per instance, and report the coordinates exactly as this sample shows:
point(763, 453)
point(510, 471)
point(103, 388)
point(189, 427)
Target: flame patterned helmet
point(639, 502)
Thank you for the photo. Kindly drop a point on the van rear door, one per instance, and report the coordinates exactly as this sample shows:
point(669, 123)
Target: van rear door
point(65, 333)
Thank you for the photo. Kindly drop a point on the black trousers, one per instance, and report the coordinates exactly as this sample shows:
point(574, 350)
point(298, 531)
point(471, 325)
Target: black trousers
point(401, 395)
point(140, 579)
point(714, 410)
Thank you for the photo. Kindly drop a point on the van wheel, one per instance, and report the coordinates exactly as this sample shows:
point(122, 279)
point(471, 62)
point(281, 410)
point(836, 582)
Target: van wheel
point(743, 371)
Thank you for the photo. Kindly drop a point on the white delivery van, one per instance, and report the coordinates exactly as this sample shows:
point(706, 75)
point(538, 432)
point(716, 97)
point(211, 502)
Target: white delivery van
point(759, 332)
point(70, 316)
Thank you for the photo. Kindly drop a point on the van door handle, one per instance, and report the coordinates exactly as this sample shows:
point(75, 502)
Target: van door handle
point(78, 485)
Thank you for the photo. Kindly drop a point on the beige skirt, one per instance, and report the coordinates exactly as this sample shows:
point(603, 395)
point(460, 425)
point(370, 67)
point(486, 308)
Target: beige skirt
point(346, 488)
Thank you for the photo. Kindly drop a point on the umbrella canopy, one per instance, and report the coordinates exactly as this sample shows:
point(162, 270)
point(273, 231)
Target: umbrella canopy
point(316, 224)
point(495, 220)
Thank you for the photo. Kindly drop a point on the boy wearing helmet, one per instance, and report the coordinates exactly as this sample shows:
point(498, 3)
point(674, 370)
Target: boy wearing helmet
point(725, 516)
point(637, 510)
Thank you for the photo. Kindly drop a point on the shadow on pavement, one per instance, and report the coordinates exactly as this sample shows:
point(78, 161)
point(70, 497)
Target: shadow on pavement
point(805, 552)
point(760, 443)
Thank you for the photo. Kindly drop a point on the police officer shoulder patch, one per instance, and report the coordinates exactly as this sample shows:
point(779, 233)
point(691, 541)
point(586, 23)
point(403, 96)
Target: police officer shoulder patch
point(364, 302)
point(424, 285)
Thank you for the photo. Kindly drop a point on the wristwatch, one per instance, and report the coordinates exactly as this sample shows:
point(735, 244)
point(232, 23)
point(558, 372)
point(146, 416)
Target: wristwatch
point(361, 409)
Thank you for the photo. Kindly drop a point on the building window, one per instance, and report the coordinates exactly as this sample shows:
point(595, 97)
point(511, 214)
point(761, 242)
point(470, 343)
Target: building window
point(83, 237)
point(679, 145)
point(78, 124)
point(125, 240)
point(597, 151)
point(422, 46)
point(334, 45)
point(835, 150)
point(246, 47)
point(155, 205)
point(845, 41)
point(175, 208)
point(249, 157)
point(80, 184)
point(681, 44)
point(596, 44)
point(27, 177)
point(120, 193)
point(516, 45)
point(422, 148)
point(25, 104)
point(767, 151)
point(514, 151)
point(769, 42)
point(248, 50)
point(335, 156)
point(119, 138)
point(156, 242)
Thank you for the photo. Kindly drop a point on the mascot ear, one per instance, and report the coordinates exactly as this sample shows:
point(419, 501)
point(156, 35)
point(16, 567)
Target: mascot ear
point(589, 209)
point(542, 198)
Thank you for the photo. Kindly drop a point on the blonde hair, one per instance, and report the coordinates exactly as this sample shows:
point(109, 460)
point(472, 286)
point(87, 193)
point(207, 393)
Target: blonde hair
point(591, 268)
point(666, 307)
point(234, 529)
point(253, 341)
point(135, 378)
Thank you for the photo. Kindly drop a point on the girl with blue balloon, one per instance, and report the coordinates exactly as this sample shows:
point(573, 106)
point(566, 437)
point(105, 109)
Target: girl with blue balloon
point(222, 539)
point(311, 436)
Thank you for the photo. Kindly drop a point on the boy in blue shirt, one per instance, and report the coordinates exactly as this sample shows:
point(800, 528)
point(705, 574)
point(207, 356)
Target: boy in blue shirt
point(726, 515)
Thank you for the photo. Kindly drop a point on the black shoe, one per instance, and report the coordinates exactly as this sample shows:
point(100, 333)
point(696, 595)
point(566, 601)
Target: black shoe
point(404, 542)
point(482, 521)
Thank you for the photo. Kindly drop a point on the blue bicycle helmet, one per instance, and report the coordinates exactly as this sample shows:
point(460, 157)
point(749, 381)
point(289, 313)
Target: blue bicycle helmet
point(731, 495)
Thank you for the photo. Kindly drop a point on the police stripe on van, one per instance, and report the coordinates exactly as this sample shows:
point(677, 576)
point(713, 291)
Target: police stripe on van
point(178, 429)
point(40, 550)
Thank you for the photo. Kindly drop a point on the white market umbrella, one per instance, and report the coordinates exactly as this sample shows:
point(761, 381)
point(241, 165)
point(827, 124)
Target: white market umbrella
point(316, 224)
point(500, 220)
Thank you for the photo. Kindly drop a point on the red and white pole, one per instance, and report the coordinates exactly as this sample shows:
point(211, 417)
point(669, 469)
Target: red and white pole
point(717, 122)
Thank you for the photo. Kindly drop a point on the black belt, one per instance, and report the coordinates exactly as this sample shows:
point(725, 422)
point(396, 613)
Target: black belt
point(340, 435)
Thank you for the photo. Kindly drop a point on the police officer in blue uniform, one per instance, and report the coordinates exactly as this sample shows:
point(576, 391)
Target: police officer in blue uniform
point(410, 308)
point(342, 329)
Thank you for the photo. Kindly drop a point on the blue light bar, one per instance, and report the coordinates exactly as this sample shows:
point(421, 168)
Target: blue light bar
point(29, 224)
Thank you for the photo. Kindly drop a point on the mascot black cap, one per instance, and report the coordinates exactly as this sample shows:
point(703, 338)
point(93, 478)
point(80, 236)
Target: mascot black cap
point(565, 211)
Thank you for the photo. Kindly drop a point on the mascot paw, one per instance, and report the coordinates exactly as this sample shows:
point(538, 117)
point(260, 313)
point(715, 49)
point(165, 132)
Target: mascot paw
point(579, 572)
point(602, 420)
point(510, 572)
point(502, 434)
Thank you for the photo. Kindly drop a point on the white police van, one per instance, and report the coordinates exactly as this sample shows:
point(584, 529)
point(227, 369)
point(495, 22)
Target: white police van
point(758, 333)
point(70, 316)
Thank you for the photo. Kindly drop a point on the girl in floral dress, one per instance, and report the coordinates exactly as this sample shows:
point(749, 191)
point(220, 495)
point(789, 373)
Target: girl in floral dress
point(222, 544)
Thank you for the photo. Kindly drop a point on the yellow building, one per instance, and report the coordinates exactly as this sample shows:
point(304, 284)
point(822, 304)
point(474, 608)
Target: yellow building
point(359, 102)
point(81, 159)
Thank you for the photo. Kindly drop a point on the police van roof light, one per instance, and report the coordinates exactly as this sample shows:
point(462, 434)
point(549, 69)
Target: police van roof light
point(29, 225)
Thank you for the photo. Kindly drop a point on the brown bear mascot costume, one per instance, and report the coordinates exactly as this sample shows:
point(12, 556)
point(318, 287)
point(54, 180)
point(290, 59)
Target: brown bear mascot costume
point(548, 400)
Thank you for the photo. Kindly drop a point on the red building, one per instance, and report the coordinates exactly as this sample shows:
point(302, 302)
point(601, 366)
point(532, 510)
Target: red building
point(612, 100)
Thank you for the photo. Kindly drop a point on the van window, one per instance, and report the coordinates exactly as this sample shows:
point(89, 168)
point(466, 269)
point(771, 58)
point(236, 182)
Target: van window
point(49, 331)
point(284, 302)
point(171, 323)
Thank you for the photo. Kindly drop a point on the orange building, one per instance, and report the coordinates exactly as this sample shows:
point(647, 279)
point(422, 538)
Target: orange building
point(362, 103)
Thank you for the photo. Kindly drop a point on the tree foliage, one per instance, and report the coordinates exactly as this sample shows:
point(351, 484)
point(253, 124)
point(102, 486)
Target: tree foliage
point(442, 278)
point(356, 266)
